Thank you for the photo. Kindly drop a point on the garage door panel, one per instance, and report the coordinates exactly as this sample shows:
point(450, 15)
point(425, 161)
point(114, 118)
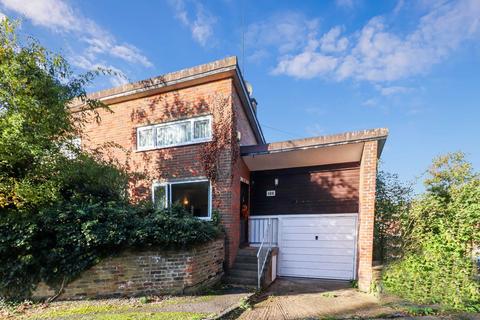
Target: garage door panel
point(339, 244)
point(312, 273)
point(318, 246)
point(321, 236)
point(318, 251)
point(324, 222)
point(306, 229)
point(318, 265)
point(313, 258)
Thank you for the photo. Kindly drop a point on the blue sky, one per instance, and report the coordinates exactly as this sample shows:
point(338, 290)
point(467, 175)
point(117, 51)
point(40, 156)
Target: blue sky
point(317, 67)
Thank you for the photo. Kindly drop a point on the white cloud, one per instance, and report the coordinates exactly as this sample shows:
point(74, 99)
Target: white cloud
point(50, 13)
point(117, 77)
point(388, 91)
point(201, 26)
point(376, 54)
point(332, 42)
point(58, 16)
point(348, 4)
point(306, 65)
point(370, 103)
point(284, 31)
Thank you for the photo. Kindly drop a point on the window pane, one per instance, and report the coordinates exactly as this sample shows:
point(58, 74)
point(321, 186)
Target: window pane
point(161, 136)
point(145, 137)
point(193, 196)
point(201, 129)
point(173, 134)
point(182, 132)
point(159, 197)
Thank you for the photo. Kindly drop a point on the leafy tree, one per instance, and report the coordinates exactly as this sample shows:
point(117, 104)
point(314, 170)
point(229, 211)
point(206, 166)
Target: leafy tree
point(392, 203)
point(39, 165)
point(442, 232)
point(36, 125)
point(62, 209)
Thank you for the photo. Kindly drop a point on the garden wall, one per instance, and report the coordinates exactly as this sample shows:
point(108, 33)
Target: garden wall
point(152, 271)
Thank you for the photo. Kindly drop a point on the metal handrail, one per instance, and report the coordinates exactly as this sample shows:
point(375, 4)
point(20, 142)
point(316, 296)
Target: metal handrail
point(264, 251)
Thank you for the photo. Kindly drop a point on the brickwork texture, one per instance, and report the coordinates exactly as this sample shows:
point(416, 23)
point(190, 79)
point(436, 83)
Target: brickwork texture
point(368, 175)
point(152, 271)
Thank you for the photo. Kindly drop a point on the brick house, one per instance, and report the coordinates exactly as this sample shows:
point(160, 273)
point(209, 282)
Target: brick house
point(195, 136)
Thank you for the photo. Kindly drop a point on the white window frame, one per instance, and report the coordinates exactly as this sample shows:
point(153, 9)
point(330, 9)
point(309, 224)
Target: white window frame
point(166, 124)
point(168, 189)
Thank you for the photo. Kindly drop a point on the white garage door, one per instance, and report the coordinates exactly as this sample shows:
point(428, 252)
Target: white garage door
point(318, 246)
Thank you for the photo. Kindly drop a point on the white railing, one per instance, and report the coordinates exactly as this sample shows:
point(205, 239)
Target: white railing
point(264, 250)
point(257, 226)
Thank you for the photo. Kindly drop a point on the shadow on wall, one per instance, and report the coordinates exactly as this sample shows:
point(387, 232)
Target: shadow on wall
point(322, 189)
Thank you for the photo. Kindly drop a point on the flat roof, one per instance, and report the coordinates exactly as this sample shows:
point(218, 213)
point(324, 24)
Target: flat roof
point(329, 149)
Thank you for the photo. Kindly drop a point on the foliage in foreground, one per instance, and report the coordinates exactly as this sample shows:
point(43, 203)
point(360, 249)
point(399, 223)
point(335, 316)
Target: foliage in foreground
point(64, 239)
point(441, 232)
point(393, 199)
point(62, 209)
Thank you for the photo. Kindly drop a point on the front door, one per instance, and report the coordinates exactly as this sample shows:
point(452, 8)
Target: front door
point(244, 212)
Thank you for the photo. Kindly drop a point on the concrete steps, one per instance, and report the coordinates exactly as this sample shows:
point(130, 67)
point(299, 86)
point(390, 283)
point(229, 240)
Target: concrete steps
point(244, 271)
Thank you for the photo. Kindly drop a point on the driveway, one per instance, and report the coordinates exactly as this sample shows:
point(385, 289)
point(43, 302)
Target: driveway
point(295, 298)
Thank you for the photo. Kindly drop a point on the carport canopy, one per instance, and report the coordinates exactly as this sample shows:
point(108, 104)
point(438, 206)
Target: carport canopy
point(322, 150)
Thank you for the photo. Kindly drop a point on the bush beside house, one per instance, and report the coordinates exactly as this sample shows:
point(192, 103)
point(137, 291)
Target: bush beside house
point(62, 210)
point(440, 234)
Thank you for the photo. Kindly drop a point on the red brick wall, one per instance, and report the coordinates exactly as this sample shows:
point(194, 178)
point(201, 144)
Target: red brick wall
point(247, 135)
point(368, 174)
point(153, 271)
point(166, 164)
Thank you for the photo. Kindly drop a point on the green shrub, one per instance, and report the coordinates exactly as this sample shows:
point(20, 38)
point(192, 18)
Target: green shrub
point(69, 237)
point(441, 233)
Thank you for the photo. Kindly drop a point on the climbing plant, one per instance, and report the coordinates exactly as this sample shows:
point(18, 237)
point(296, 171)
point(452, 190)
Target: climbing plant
point(223, 151)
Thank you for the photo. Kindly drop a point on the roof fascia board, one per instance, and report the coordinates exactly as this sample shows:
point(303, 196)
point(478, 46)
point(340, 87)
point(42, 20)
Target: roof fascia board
point(251, 114)
point(315, 146)
point(165, 86)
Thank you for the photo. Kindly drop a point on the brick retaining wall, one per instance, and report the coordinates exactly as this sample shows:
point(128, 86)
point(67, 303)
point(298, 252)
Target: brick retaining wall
point(152, 271)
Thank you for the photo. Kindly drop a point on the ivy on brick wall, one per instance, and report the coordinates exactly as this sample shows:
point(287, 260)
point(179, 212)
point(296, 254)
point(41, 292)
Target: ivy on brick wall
point(62, 209)
point(441, 233)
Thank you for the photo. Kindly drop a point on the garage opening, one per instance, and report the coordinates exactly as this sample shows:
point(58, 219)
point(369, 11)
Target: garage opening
point(318, 246)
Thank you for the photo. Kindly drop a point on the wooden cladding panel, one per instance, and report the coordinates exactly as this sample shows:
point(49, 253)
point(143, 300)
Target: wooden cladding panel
point(310, 190)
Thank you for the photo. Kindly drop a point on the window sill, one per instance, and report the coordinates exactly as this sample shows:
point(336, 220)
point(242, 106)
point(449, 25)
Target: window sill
point(175, 145)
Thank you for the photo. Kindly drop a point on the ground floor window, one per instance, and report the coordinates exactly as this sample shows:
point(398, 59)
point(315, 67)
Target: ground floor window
point(194, 195)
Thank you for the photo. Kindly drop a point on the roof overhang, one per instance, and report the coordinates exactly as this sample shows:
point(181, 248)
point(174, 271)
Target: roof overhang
point(213, 71)
point(332, 149)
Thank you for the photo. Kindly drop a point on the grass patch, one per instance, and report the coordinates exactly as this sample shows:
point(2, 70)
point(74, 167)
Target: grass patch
point(109, 312)
point(152, 316)
point(83, 310)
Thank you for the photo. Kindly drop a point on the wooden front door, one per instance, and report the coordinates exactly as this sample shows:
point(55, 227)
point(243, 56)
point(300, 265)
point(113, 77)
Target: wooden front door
point(244, 212)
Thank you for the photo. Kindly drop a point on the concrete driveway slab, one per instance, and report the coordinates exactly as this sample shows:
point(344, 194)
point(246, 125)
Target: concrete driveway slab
point(295, 298)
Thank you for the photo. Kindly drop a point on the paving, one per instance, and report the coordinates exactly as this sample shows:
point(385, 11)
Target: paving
point(294, 298)
point(209, 305)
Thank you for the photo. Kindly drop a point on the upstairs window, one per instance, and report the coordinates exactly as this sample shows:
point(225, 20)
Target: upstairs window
point(195, 196)
point(175, 133)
